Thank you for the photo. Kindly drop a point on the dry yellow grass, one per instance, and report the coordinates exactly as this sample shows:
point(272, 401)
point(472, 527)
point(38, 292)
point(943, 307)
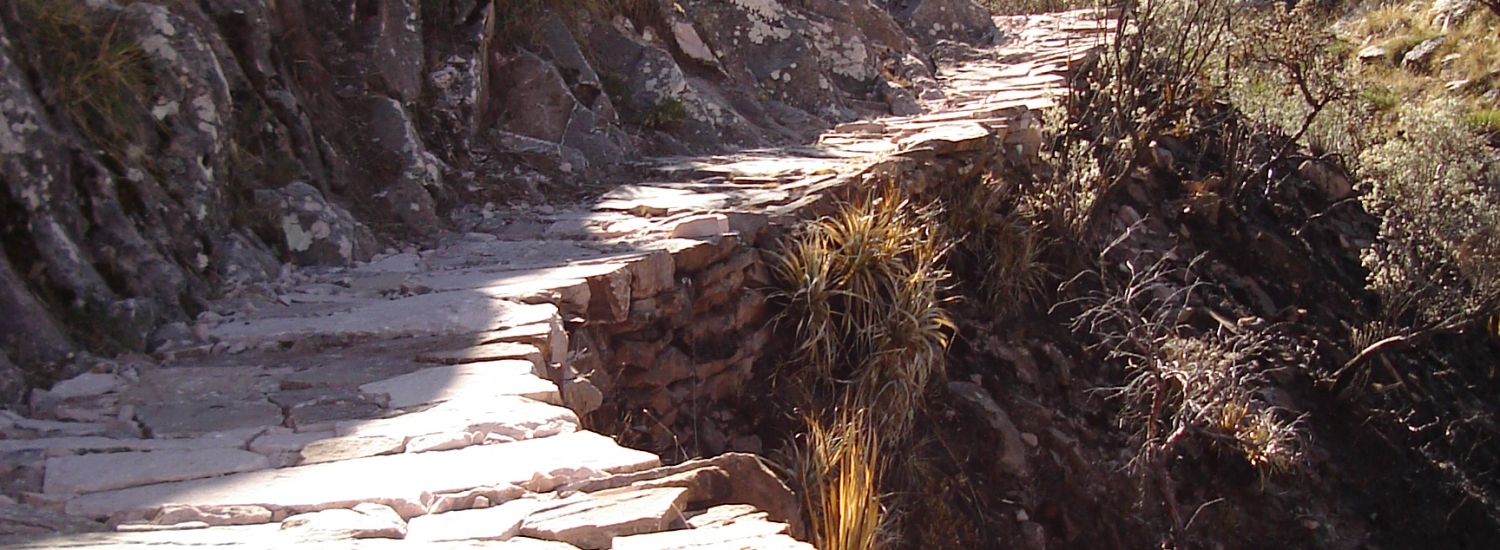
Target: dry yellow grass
point(1466, 65)
point(843, 464)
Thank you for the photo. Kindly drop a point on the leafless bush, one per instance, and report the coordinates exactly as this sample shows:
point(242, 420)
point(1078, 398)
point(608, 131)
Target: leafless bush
point(1181, 385)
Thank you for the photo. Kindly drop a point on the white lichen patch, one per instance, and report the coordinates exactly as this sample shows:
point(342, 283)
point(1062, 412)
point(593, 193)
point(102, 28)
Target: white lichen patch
point(161, 20)
point(165, 109)
point(847, 55)
point(10, 143)
point(208, 116)
point(765, 20)
point(299, 239)
point(158, 46)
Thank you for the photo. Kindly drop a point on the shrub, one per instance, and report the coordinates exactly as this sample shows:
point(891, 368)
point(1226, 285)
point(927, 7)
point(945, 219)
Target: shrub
point(1181, 385)
point(1435, 264)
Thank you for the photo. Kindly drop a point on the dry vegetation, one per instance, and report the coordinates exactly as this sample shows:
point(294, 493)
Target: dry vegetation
point(98, 74)
point(1222, 108)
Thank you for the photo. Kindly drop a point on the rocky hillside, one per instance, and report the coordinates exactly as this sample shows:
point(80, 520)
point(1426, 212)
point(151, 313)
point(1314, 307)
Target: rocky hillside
point(159, 157)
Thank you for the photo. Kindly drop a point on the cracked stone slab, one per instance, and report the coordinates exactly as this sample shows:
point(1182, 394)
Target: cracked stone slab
point(558, 459)
point(346, 448)
point(500, 522)
point(365, 521)
point(728, 526)
point(185, 419)
point(510, 417)
point(233, 439)
point(592, 521)
point(480, 380)
point(67, 475)
point(253, 537)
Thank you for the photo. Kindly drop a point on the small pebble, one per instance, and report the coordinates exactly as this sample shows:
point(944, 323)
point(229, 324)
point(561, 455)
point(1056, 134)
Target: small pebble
point(1022, 516)
point(1029, 438)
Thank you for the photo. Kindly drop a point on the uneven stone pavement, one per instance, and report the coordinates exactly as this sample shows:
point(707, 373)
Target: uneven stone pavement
point(434, 398)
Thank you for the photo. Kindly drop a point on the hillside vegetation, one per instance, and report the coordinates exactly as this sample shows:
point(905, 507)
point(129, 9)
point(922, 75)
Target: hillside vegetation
point(1271, 231)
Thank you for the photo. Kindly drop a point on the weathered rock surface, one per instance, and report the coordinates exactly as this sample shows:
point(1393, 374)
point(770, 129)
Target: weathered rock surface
point(732, 526)
point(594, 520)
point(312, 230)
point(365, 521)
point(496, 522)
point(475, 380)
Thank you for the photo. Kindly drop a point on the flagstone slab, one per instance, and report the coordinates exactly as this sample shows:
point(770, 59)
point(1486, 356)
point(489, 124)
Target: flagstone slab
point(591, 521)
point(66, 475)
point(346, 448)
point(183, 419)
point(364, 521)
point(448, 383)
point(511, 417)
point(402, 479)
point(438, 313)
point(232, 439)
point(487, 352)
point(499, 522)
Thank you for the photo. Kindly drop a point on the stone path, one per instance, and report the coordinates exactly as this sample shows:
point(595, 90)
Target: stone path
point(437, 398)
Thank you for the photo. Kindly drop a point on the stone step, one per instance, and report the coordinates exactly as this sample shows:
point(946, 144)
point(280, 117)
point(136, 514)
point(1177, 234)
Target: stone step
point(407, 482)
point(439, 313)
point(453, 382)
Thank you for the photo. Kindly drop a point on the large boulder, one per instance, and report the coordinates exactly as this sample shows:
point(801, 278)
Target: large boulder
point(312, 230)
point(539, 103)
point(957, 20)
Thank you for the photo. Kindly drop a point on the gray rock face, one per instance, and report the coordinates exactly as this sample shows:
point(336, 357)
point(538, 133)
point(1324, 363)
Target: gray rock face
point(1420, 56)
point(70, 475)
point(12, 382)
point(540, 104)
point(957, 20)
point(407, 176)
point(313, 230)
point(28, 331)
point(396, 110)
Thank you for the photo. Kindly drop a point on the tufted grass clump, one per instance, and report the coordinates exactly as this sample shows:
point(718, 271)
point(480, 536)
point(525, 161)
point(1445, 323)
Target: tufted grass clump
point(1483, 120)
point(1002, 246)
point(98, 72)
point(862, 287)
point(837, 469)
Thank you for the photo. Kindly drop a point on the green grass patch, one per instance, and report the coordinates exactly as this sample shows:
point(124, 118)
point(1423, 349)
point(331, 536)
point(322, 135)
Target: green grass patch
point(1483, 120)
point(1379, 98)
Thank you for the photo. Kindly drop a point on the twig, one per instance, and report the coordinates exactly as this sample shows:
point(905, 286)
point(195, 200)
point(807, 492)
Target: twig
point(1199, 511)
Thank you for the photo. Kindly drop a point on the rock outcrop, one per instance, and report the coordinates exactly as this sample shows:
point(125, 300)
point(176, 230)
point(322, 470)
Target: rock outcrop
point(211, 141)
